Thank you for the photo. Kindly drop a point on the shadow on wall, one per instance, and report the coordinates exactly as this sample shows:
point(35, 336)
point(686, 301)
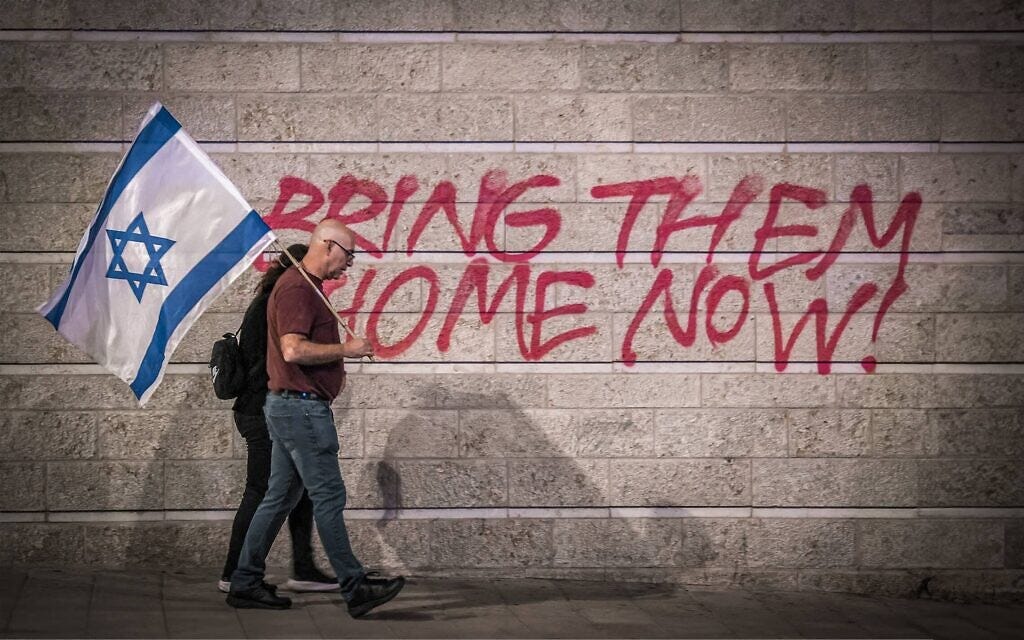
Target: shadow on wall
point(502, 456)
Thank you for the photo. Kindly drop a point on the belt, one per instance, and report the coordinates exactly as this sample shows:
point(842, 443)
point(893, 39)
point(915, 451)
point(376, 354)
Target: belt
point(301, 395)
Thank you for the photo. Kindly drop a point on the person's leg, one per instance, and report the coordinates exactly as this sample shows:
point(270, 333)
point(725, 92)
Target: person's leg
point(257, 475)
point(284, 491)
point(305, 574)
point(316, 457)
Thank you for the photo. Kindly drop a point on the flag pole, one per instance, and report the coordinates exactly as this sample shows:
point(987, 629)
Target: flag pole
point(320, 293)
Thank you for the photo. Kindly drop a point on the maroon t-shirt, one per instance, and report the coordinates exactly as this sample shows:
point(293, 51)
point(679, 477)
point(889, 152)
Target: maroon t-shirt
point(295, 308)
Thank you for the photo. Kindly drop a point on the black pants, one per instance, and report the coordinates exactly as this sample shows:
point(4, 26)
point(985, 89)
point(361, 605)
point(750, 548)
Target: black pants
point(257, 476)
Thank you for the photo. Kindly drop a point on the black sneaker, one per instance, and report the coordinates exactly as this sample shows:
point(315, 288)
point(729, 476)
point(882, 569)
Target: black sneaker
point(312, 580)
point(373, 592)
point(262, 597)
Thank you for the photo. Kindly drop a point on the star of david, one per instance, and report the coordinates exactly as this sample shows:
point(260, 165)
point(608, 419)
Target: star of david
point(155, 247)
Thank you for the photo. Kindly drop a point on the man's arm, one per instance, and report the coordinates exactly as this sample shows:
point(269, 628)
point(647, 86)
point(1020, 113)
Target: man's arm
point(298, 349)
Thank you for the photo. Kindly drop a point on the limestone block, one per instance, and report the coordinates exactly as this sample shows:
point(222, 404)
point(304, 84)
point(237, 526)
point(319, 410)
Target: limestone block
point(799, 543)
point(971, 483)
point(558, 482)
point(931, 287)
point(932, 544)
point(1015, 276)
point(44, 117)
point(878, 171)
point(1001, 66)
point(654, 67)
point(56, 177)
point(586, 117)
point(792, 290)
point(12, 74)
point(49, 544)
point(93, 66)
point(967, 227)
point(23, 286)
point(797, 67)
point(231, 67)
point(125, 14)
point(619, 290)
point(44, 227)
point(47, 435)
point(196, 345)
point(490, 543)
point(165, 435)
point(1013, 546)
point(389, 15)
point(617, 542)
point(385, 169)
point(157, 544)
point(882, 15)
point(976, 337)
point(30, 338)
point(912, 391)
point(861, 118)
point(809, 15)
point(732, 15)
point(411, 434)
point(596, 347)
point(610, 169)
point(24, 486)
point(613, 433)
point(982, 432)
point(65, 392)
point(823, 482)
point(298, 15)
point(365, 68)
point(899, 432)
point(623, 390)
point(433, 117)
point(454, 483)
point(205, 117)
point(767, 390)
point(708, 119)
point(983, 15)
point(514, 433)
point(472, 341)
point(205, 484)
point(903, 337)
point(468, 170)
point(28, 14)
point(400, 544)
point(257, 175)
point(306, 117)
point(720, 433)
point(924, 67)
point(825, 432)
point(104, 485)
point(726, 171)
point(185, 391)
point(481, 391)
point(982, 117)
point(370, 391)
point(957, 178)
point(588, 227)
point(494, 68)
point(1017, 178)
point(662, 483)
point(542, 15)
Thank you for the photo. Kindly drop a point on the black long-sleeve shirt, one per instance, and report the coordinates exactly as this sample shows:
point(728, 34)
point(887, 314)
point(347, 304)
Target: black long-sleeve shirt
point(252, 343)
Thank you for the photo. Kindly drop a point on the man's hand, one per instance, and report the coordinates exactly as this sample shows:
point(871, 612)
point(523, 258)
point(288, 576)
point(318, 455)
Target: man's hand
point(357, 348)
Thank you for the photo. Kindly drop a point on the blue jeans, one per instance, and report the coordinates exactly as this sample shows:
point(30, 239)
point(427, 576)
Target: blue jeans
point(305, 453)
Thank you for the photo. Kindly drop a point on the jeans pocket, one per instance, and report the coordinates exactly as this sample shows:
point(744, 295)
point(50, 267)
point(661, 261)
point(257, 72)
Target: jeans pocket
point(320, 422)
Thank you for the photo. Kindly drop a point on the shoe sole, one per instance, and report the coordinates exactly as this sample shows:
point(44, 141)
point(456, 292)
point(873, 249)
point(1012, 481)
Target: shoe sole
point(366, 607)
point(242, 603)
point(304, 585)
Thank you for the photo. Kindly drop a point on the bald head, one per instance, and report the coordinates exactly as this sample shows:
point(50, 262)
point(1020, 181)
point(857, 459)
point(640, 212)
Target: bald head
point(330, 247)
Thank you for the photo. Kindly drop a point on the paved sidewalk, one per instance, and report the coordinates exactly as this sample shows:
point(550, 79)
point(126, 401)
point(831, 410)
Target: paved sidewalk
point(46, 603)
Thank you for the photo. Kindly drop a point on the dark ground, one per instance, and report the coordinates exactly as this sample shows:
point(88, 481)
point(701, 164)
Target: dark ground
point(50, 603)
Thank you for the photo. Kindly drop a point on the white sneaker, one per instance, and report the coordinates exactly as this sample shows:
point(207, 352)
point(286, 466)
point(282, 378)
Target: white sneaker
point(224, 586)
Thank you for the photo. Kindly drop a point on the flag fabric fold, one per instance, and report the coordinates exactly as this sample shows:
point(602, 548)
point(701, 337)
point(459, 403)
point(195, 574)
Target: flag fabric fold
point(171, 233)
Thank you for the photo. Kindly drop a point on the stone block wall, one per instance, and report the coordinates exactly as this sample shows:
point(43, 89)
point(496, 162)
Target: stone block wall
point(719, 293)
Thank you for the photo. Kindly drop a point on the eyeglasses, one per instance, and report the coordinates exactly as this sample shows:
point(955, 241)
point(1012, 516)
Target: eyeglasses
point(351, 255)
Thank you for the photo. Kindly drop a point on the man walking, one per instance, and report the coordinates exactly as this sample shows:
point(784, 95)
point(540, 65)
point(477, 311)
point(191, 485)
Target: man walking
point(304, 363)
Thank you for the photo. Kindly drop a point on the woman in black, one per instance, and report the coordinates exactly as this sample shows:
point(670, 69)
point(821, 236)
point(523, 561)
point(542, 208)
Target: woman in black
point(248, 414)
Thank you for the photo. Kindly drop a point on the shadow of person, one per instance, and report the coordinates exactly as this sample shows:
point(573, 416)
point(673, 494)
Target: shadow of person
point(539, 480)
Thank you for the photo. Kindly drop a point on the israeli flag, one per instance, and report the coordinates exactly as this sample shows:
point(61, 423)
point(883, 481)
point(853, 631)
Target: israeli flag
point(170, 235)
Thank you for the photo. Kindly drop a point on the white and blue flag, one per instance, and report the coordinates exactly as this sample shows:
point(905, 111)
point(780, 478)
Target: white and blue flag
point(170, 235)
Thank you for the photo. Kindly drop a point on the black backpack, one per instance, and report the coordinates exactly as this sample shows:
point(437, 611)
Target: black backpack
point(227, 369)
